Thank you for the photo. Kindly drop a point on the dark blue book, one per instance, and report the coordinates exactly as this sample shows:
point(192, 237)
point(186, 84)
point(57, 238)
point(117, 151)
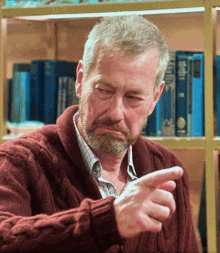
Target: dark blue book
point(9, 100)
point(181, 94)
point(37, 90)
point(16, 106)
point(189, 95)
point(151, 124)
point(198, 95)
point(53, 70)
point(72, 99)
point(168, 98)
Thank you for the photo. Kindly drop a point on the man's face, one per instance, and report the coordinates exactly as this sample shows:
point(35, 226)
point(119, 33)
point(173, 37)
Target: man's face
point(116, 99)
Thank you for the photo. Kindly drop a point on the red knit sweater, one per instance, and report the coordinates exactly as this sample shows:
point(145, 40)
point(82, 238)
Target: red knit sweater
point(49, 202)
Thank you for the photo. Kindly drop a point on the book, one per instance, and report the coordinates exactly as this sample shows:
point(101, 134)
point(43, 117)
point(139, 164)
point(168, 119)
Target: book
point(151, 124)
point(181, 95)
point(62, 94)
point(25, 96)
point(37, 90)
point(16, 90)
point(9, 97)
point(158, 118)
point(189, 95)
point(10, 3)
point(72, 98)
point(198, 95)
point(168, 98)
point(53, 70)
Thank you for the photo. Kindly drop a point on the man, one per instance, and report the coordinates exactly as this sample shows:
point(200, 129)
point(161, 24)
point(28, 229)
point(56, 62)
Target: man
point(90, 183)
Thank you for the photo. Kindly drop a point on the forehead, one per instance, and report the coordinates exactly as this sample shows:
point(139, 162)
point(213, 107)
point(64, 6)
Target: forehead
point(132, 69)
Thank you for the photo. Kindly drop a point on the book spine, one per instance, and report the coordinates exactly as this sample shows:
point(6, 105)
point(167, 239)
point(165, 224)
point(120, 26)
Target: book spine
point(53, 70)
point(37, 90)
point(50, 92)
point(198, 96)
point(151, 124)
point(9, 100)
point(16, 98)
point(22, 96)
point(181, 96)
point(60, 91)
point(64, 93)
point(168, 98)
point(189, 96)
point(72, 98)
point(158, 118)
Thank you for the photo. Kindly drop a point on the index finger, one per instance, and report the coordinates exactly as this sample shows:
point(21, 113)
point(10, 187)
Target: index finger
point(159, 177)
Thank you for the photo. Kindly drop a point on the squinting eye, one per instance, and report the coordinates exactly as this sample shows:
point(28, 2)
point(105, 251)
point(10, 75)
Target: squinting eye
point(104, 91)
point(134, 98)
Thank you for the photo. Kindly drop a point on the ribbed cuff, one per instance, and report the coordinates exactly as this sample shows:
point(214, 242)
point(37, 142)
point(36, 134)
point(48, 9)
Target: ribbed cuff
point(104, 223)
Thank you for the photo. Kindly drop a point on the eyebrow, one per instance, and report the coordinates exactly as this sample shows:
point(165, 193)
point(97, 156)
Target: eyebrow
point(111, 86)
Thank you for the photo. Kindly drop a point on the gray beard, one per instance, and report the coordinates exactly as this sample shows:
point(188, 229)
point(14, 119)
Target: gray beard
point(107, 143)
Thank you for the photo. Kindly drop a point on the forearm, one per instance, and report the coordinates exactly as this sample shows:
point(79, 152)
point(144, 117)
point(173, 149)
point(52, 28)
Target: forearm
point(77, 230)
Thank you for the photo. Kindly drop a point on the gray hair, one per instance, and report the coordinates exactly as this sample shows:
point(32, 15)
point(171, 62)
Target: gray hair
point(130, 35)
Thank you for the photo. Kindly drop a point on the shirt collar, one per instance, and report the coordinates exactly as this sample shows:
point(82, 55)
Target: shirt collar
point(91, 160)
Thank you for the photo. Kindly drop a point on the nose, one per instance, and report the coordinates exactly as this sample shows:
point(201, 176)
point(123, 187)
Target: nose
point(116, 110)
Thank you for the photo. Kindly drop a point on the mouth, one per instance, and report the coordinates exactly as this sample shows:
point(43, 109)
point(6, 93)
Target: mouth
point(102, 130)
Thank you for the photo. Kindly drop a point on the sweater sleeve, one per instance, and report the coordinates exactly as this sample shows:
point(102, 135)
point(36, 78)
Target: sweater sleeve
point(74, 230)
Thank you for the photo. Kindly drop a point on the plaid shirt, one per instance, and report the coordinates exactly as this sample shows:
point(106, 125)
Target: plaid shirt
point(95, 168)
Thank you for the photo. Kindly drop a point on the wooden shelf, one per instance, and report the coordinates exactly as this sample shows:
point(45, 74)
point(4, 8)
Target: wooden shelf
point(99, 8)
point(180, 143)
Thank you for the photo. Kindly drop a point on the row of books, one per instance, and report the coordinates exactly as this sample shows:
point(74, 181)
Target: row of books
point(36, 3)
point(180, 110)
point(41, 90)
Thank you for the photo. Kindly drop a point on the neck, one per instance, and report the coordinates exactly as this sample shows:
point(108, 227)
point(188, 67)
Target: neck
point(111, 162)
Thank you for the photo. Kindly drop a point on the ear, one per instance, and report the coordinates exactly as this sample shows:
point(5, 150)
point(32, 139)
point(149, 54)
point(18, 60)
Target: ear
point(79, 78)
point(157, 97)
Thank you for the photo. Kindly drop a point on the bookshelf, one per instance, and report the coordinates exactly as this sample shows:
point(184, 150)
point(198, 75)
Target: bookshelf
point(209, 143)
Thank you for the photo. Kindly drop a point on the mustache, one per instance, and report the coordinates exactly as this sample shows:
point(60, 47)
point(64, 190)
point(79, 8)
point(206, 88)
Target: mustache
point(110, 124)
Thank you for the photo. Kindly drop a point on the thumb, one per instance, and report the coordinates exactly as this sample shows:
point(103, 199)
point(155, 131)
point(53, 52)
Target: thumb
point(158, 178)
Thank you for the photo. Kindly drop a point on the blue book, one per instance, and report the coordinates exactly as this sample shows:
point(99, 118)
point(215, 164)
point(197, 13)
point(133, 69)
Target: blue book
point(181, 95)
point(158, 118)
point(16, 90)
point(24, 96)
point(37, 90)
point(168, 98)
point(53, 70)
point(198, 95)
point(10, 3)
point(218, 93)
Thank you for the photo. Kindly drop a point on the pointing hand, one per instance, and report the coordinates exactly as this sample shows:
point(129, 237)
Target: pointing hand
point(147, 202)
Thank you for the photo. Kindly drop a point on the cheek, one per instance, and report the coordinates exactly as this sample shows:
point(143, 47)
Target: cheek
point(137, 119)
